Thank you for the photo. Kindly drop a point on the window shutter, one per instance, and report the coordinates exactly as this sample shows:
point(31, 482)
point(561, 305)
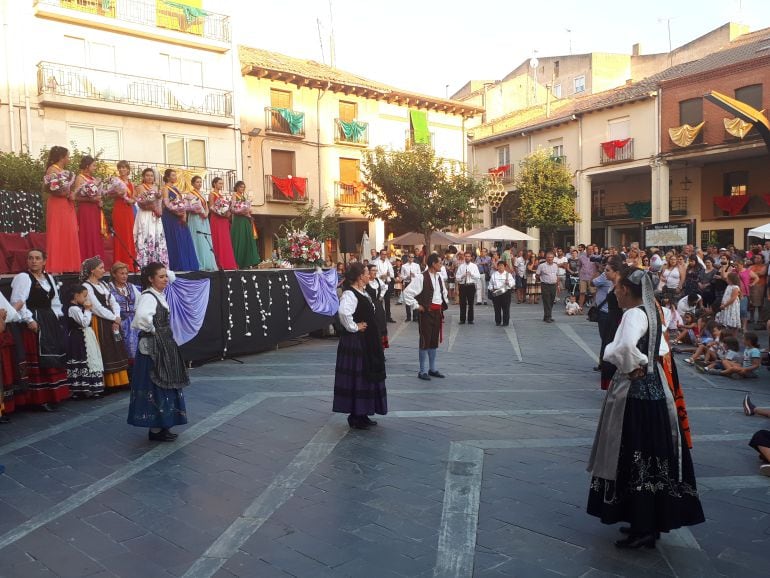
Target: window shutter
point(81, 138)
point(174, 150)
point(349, 171)
point(107, 144)
point(280, 99)
point(619, 129)
point(347, 111)
point(196, 153)
point(282, 163)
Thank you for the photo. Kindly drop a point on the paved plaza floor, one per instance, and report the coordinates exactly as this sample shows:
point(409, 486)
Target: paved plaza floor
point(479, 474)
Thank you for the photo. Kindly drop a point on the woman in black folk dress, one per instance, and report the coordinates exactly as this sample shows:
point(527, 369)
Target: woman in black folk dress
point(359, 377)
point(376, 290)
point(641, 468)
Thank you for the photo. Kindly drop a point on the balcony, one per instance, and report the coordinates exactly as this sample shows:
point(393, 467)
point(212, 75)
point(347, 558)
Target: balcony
point(348, 194)
point(171, 21)
point(285, 121)
point(410, 143)
point(85, 88)
point(677, 207)
point(503, 172)
point(206, 173)
point(353, 132)
point(616, 151)
point(285, 189)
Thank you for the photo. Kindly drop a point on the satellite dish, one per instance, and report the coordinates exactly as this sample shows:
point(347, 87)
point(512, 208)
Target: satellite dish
point(533, 62)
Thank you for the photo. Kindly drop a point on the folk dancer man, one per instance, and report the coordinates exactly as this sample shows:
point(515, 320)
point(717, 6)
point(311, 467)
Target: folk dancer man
point(467, 275)
point(548, 273)
point(427, 293)
point(409, 271)
point(385, 274)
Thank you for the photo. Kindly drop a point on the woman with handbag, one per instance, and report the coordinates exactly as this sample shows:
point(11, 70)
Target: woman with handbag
point(501, 284)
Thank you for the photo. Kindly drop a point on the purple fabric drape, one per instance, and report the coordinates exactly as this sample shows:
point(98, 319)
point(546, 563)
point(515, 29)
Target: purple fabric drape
point(319, 290)
point(187, 302)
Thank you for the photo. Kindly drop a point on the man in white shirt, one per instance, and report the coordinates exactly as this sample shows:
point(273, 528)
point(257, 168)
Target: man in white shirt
point(561, 260)
point(520, 270)
point(548, 273)
point(386, 275)
point(409, 271)
point(428, 294)
point(467, 275)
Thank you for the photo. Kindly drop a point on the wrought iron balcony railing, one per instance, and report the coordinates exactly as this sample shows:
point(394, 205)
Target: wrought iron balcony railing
point(285, 121)
point(677, 207)
point(286, 189)
point(616, 151)
point(504, 172)
point(102, 85)
point(348, 194)
point(351, 132)
point(208, 174)
point(158, 14)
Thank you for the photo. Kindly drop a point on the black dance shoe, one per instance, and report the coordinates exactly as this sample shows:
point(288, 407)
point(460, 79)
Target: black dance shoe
point(626, 531)
point(169, 433)
point(368, 421)
point(436, 373)
point(355, 422)
point(161, 436)
point(423, 376)
point(635, 542)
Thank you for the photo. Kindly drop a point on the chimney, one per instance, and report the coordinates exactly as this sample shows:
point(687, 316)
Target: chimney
point(636, 49)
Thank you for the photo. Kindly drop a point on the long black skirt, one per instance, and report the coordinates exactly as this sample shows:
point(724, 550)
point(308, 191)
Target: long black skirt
point(354, 393)
point(647, 493)
point(760, 439)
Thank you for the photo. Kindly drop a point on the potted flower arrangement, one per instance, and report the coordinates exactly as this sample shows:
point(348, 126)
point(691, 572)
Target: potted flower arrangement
point(299, 249)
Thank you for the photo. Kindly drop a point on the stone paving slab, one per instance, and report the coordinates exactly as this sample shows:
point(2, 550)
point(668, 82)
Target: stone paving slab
point(372, 502)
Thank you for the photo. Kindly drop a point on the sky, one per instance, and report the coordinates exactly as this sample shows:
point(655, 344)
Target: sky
point(434, 47)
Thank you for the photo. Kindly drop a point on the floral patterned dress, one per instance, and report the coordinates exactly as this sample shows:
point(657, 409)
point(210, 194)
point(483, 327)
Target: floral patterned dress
point(149, 238)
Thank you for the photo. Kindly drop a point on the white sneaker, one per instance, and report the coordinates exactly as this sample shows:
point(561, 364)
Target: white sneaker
point(764, 469)
point(689, 361)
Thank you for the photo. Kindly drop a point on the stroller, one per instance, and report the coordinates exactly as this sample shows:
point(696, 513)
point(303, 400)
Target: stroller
point(573, 289)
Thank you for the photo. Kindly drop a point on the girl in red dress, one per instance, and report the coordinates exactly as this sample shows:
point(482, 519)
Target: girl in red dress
point(61, 223)
point(123, 219)
point(89, 198)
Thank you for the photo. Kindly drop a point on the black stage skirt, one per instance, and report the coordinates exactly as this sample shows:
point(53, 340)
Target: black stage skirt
point(354, 390)
point(761, 438)
point(647, 493)
point(45, 384)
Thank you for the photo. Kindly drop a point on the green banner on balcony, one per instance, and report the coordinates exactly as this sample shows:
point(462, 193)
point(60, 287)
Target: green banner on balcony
point(639, 209)
point(420, 126)
point(295, 120)
point(191, 13)
point(353, 130)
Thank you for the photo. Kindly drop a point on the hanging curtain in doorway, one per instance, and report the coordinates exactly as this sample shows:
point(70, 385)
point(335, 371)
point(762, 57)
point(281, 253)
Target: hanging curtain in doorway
point(733, 204)
point(684, 135)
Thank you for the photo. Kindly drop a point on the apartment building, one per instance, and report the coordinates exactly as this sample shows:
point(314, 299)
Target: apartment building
point(150, 81)
point(307, 127)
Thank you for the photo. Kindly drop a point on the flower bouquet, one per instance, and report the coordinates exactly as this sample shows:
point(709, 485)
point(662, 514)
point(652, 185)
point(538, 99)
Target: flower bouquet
point(300, 249)
point(221, 206)
point(241, 208)
point(59, 184)
point(194, 206)
point(148, 195)
point(89, 190)
point(115, 187)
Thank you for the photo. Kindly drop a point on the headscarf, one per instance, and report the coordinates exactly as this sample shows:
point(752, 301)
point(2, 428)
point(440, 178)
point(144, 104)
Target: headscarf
point(88, 266)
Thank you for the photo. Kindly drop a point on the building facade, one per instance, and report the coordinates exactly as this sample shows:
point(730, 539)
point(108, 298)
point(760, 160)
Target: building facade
point(149, 81)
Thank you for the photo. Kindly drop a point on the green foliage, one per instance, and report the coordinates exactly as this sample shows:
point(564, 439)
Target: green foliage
point(21, 172)
point(546, 195)
point(315, 221)
point(420, 191)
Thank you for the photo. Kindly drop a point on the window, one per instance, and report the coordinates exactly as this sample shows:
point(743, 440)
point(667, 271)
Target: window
point(349, 171)
point(348, 111)
point(503, 155)
point(557, 148)
point(557, 90)
point(736, 183)
point(691, 112)
point(618, 128)
point(101, 56)
point(751, 95)
point(282, 163)
point(101, 142)
point(280, 99)
point(579, 84)
point(556, 69)
point(96, 55)
point(185, 151)
point(182, 70)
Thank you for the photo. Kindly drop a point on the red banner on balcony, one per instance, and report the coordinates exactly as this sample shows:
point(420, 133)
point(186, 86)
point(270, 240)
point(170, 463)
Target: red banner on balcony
point(499, 170)
point(284, 185)
point(300, 185)
point(732, 205)
point(611, 146)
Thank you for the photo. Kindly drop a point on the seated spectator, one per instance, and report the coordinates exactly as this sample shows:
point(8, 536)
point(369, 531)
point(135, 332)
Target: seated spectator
point(687, 330)
point(709, 339)
point(730, 351)
point(689, 304)
point(760, 441)
point(751, 359)
point(572, 307)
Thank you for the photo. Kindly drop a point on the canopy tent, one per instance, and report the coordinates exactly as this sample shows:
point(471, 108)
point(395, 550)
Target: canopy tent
point(436, 238)
point(466, 234)
point(501, 233)
point(762, 232)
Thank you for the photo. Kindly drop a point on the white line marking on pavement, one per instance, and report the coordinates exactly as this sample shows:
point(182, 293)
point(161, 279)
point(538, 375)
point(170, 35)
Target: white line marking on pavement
point(275, 495)
point(453, 331)
point(732, 482)
point(132, 468)
point(569, 332)
point(514, 339)
point(64, 426)
point(460, 514)
point(398, 332)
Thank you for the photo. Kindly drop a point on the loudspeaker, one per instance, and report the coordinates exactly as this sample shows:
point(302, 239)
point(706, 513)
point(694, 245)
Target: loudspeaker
point(347, 240)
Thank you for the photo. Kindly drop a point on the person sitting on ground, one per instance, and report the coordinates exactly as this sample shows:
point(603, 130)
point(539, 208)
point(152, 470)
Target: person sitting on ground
point(730, 352)
point(572, 307)
point(709, 338)
point(751, 359)
point(760, 441)
point(687, 330)
point(689, 304)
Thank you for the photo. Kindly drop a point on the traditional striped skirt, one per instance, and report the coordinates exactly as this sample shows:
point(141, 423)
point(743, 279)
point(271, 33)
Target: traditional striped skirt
point(353, 392)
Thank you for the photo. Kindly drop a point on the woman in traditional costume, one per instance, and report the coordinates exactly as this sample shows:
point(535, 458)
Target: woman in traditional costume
point(149, 237)
point(35, 296)
point(157, 401)
point(85, 372)
point(105, 321)
point(89, 198)
point(219, 219)
point(123, 217)
point(126, 295)
point(359, 378)
point(181, 251)
point(376, 290)
point(198, 223)
point(640, 464)
point(10, 358)
point(61, 220)
point(242, 231)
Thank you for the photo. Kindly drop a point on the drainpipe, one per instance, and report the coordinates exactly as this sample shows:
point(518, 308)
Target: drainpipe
point(318, 150)
point(11, 124)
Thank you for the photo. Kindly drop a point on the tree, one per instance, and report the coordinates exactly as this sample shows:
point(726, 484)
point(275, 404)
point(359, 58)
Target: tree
point(420, 191)
point(316, 222)
point(546, 194)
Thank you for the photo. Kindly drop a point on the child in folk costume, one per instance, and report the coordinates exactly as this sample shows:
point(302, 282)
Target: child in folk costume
point(85, 371)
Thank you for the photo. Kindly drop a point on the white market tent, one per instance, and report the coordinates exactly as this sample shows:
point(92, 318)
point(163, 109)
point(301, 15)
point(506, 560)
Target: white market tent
point(501, 233)
point(762, 232)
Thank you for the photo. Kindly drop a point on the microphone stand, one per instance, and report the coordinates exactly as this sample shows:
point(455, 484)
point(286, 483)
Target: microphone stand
point(125, 248)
